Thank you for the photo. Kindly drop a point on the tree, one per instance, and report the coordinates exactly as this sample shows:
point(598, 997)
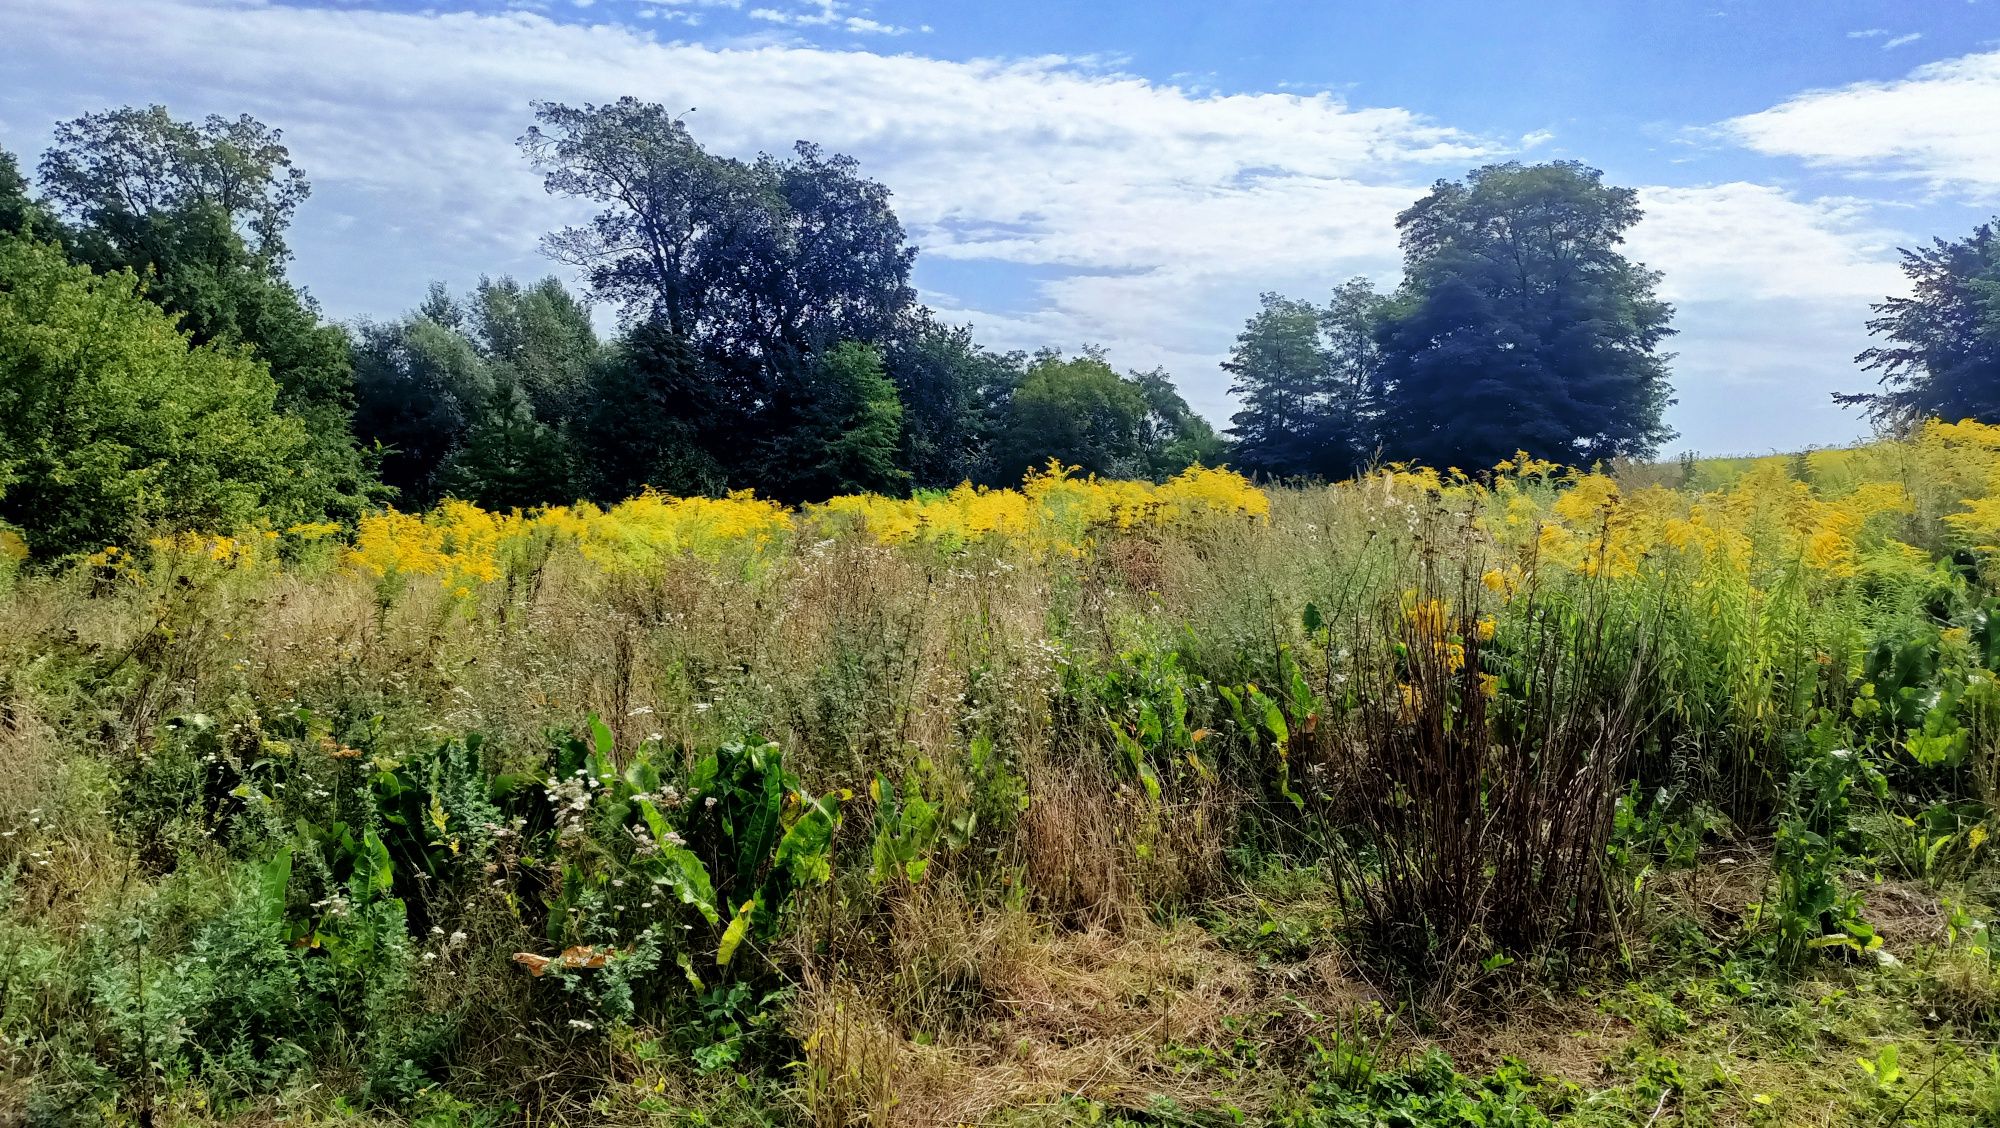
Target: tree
point(509, 459)
point(1943, 359)
point(19, 213)
point(1520, 326)
point(112, 421)
point(1171, 436)
point(541, 338)
point(1309, 381)
point(948, 385)
point(421, 387)
point(119, 171)
point(199, 211)
point(673, 212)
point(1350, 430)
point(1077, 411)
point(649, 417)
point(482, 398)
point(1280, 371)
point(841, 432)
point(825, 263)
point(761, 267)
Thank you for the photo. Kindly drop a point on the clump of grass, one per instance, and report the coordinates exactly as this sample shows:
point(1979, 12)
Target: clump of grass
point(1479, 757)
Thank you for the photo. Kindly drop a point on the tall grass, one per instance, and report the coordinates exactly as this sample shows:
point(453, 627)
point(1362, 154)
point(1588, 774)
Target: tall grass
point(970, 759)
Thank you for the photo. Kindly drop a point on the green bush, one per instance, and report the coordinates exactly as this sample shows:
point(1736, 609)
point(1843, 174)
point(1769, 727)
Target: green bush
point(111, 424)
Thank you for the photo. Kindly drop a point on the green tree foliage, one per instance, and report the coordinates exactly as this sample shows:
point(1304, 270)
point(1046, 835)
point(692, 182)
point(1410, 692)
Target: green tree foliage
point(421, 385)
point(841, 432)
point(1172, 437)
point(112, 421)
point(1078, 411)
point(760, 267)
point(199, 211)
point(119, 172)
point(1943, 355)
point(1520, 325)
point(948, 385)
point(649, 419)
point(540, 339)
point(1279, 371)
point(480, 399)
point(1083, 414)
point(771, 256)
point(19, 213)
point(1351, 433)
point(508, 458)
point(771, 337)
point(1308, 379)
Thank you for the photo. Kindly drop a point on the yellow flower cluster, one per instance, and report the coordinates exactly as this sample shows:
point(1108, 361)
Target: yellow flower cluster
point(1825, 512)
point(465, 545)
point(1054, 510)
point(230, 552)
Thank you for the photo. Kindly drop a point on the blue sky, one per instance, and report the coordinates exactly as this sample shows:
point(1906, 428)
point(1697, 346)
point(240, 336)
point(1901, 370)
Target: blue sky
point(1129, 174)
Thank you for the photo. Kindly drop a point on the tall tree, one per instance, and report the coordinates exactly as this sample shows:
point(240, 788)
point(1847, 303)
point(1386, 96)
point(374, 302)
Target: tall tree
point(1943, 355)
point(825, 263)
point(948, 385)
point(1350, 430)
point(482, 398)
point(199, 210)
point(1280, 372)
point(540, 337)
point(673, 215)
point(1309, 382)
point(840, 430)
point(1077, 411)
point(119, 172)
point(508, 458)
point(19, 213)
point(112, 421)
point(1172, 436)
point(760, 267)
point(651, 419)
point(421, 387)
point(1520, 325)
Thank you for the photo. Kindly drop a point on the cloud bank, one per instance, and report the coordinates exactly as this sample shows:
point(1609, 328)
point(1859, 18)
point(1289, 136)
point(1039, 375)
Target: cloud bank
point(1056, 201)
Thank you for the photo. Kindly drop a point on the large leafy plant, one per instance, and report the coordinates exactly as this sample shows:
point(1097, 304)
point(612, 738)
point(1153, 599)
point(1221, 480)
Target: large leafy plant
point(731, 845)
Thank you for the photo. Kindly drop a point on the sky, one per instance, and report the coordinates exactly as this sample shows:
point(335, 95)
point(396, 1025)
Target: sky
point(1129, 174)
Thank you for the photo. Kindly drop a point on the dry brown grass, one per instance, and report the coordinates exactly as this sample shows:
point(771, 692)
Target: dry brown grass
point(1068, 1014)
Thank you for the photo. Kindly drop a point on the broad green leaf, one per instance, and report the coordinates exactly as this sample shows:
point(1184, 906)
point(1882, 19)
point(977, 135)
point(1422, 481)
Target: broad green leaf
point(732, 937)
point(274, 879)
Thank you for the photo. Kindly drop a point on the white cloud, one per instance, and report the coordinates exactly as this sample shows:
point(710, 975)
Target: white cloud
point(1771, 292)
point(826, 13)
point(1940, 125)
point(1757, 242)
point(1889, 41)
point(1159, 212)
point(1111, 209)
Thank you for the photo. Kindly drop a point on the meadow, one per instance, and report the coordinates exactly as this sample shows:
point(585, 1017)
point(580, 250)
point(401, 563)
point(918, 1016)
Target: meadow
point(1660, 794)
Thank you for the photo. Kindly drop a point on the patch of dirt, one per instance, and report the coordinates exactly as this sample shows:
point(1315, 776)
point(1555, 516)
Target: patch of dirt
point(1568, 1039)
point(1906, 914)
point(1097, 1014)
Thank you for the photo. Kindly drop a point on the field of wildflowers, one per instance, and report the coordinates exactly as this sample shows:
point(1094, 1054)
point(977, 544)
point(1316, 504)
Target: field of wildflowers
point(1649, 794)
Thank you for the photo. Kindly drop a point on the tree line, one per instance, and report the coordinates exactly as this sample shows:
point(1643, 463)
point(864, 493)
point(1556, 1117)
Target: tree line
point(158, 365)
point(1519, 326)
